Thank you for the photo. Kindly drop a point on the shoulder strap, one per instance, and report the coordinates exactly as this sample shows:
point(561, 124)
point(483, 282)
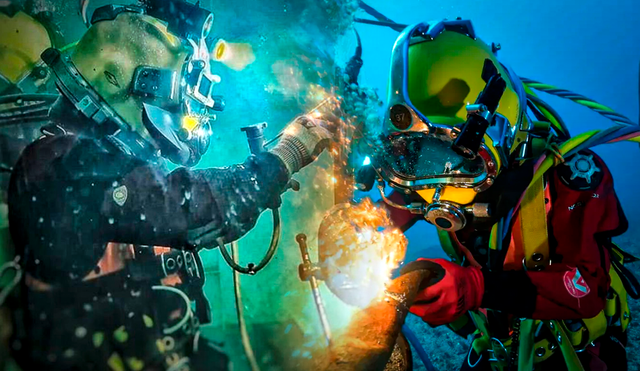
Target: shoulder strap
point(533, 224)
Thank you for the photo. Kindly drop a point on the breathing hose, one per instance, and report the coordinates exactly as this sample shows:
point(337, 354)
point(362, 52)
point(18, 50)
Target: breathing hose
point(251, 268)
point(580, 99)
point(422, 354)
point(244, 334)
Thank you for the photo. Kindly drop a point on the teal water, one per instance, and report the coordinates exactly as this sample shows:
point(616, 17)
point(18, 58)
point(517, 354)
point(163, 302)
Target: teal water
point(591, 47)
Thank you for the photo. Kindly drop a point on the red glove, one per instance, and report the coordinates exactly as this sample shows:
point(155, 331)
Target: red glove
point(455, 291)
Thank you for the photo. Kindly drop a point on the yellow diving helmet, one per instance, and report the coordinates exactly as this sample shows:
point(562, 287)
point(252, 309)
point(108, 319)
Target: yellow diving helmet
point(454, 114)
point(23, 37)
point(142, 74)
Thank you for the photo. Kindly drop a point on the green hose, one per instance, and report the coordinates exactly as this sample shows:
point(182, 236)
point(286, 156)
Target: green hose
point(580, 99)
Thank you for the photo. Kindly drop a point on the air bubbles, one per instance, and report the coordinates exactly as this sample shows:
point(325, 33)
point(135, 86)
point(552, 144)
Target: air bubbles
point(143, 217)
point(81, 332)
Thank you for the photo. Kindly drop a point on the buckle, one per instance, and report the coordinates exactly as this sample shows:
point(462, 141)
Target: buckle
point(177, 262)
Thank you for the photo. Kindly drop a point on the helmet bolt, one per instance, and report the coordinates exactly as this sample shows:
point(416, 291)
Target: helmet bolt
point(537, 257)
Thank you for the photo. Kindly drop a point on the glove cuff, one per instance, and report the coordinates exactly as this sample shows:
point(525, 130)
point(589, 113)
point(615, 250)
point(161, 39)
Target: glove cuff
point(293, 154)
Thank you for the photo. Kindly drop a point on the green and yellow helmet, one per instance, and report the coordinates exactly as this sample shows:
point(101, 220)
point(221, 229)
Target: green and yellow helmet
point(23, 37)
point(145, 71)
point(438, 72)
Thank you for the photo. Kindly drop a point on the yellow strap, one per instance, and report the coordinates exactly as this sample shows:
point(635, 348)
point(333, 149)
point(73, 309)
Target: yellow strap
point(568, 352)
point(621, 293)
point(533, 225)
point(595, 328)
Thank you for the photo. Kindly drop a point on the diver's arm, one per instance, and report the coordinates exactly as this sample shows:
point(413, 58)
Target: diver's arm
point(581, 222)
point(103, 195)
point(193, 208)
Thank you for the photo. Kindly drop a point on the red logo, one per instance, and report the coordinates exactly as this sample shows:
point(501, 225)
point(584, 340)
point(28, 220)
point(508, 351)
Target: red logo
point(575, 284)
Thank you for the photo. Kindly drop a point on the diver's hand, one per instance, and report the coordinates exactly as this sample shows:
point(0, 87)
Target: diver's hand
point(445, 296)
point(303, 141)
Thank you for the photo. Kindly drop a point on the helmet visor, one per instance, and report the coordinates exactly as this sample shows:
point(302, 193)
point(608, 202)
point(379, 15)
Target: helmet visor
point(419, 159)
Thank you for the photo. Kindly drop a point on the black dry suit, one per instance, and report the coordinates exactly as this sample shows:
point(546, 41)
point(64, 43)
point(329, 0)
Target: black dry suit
point(109, 244)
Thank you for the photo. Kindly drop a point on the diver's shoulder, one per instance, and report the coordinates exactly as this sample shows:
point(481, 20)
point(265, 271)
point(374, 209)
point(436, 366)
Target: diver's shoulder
point(39, 156)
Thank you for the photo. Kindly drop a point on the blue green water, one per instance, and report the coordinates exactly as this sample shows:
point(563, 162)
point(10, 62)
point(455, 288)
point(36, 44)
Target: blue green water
point(591, 47)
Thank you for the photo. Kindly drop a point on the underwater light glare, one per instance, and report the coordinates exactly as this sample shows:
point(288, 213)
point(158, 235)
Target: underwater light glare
point(236, 56)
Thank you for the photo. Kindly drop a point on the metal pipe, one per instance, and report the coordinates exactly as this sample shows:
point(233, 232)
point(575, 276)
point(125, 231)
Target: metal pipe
point(368, 341)
point(313, 281)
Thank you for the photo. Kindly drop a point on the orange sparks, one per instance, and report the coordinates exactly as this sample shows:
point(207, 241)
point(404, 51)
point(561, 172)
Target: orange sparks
point(358, 249)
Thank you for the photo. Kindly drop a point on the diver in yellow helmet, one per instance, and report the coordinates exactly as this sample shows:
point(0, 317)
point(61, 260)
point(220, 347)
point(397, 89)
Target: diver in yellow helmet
point(108, 238)
point(26, 93)
point(533, 273)
point(24, 35)
point(26, 88)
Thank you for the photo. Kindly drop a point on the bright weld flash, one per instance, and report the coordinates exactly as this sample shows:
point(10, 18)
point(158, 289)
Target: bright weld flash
point(367, 161)
point(359, 248)
point(189, 123)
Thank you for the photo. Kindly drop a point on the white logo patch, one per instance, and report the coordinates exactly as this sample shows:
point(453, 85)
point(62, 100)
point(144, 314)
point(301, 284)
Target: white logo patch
point(120, 195)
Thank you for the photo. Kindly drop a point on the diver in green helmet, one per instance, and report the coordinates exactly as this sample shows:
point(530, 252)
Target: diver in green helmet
point(525, 212)
point(108, 239)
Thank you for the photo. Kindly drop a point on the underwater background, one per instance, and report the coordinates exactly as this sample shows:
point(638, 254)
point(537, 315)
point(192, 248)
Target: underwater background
point(590, 47)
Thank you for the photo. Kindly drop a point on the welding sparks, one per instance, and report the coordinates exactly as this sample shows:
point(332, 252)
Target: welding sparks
point(358, 249)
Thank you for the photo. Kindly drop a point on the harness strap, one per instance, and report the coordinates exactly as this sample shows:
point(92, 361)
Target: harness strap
point(620, 305)
point(559, 331)
point(533, 224)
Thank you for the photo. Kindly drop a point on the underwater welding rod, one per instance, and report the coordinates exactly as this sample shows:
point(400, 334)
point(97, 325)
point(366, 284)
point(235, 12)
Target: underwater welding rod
point(307, 272)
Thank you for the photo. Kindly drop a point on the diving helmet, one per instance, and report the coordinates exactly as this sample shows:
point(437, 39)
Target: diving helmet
point(143, 75)
point(454, 121)
point(23, 37)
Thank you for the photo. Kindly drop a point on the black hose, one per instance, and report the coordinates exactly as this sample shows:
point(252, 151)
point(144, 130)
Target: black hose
point(394, 26)
point(244, 334)
point(273, 246)
point(374, 13)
